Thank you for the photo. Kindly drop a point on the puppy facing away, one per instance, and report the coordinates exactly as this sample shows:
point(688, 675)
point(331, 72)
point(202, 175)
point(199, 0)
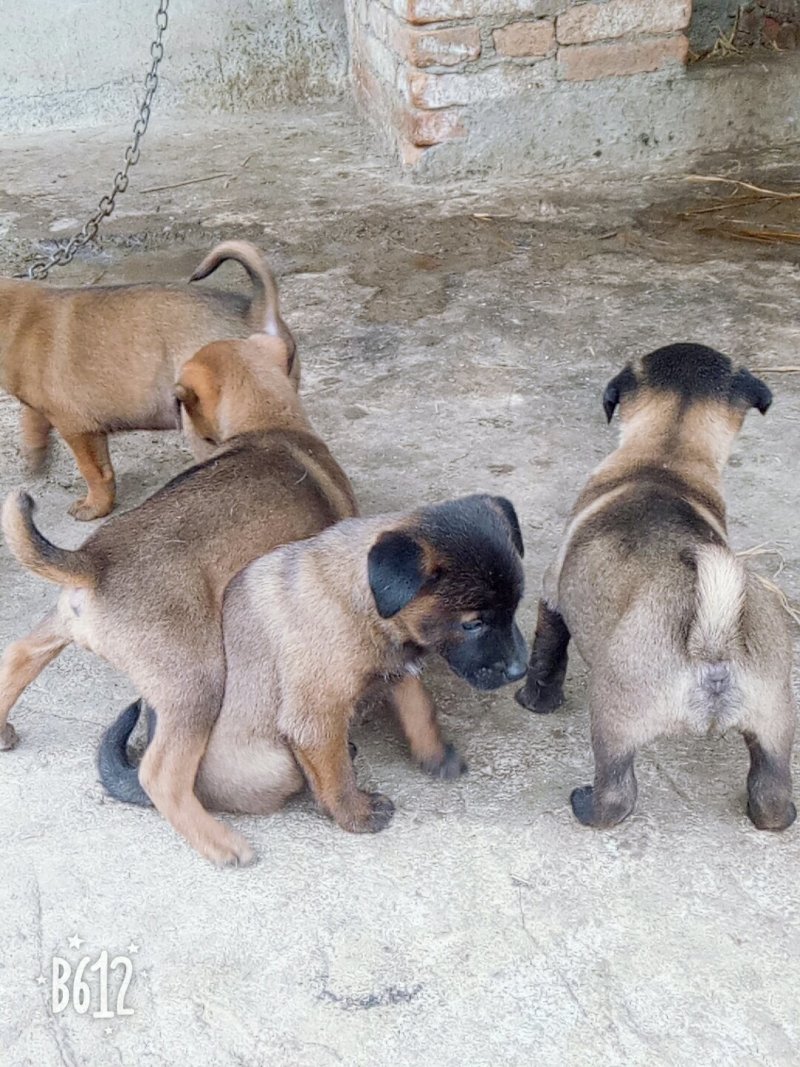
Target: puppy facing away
point(95, 360)
point(677, 634)
point(307, 630)
point(312, 627)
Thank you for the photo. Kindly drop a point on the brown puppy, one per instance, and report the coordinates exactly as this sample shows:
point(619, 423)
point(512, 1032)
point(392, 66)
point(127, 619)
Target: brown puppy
point(99, 359)
point(145, 590)
point(310, 628)
point(677, 633)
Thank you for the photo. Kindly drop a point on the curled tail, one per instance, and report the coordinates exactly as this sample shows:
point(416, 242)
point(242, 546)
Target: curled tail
point(32, 549)
point(715, 632)
point(264, 315)
point(117, 774)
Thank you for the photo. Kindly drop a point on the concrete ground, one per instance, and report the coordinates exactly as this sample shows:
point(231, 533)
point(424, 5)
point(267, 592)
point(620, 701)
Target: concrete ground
point(452, 340)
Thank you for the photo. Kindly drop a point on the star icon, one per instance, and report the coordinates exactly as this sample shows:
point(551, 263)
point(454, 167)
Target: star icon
point(41, 980)
point(108, 1031)
point(75, 941)
point(133, 948)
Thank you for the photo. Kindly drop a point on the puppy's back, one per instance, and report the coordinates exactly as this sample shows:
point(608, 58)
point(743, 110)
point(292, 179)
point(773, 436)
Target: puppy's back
point(261, 491)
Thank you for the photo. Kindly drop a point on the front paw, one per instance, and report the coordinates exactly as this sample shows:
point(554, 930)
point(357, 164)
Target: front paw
point(541, 699)
point(381, 813)
point(448, 765)
point(83, 511)
point(374, 813)
point(9, 738)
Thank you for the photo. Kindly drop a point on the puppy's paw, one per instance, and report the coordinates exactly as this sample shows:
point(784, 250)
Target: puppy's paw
point(601, 816)
point(9, 738)
point(541, 699)
point(231, 851)
point(382, 811)
point(583, 805)
point(447, 766)
point(776, 819)
point(83, 511)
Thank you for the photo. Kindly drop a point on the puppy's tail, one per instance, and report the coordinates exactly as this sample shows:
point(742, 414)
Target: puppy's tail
point(715, 632)
point(32, 549)
point(117, 774)
point(264, 315)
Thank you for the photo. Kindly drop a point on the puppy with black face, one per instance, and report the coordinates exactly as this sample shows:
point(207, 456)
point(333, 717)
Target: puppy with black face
point(312, 627)
point(677, 633)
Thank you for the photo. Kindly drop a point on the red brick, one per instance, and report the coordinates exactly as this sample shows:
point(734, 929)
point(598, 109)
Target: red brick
point(421, 11)
point(621, 18)
point(444, 48)
point(771, 29)
point(525, 38)
point(590, 61)
point(423, 128)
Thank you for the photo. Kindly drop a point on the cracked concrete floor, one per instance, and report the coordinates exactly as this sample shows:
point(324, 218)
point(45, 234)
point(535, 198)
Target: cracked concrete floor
point(453, 340)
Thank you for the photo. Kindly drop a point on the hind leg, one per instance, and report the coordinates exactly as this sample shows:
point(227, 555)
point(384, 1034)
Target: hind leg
point(22, 662)
point(94, 462)
point(35, 431)
point(613, 796)
point(623, 718)
point(769, 781)
point(168, 771)
point(543, 691)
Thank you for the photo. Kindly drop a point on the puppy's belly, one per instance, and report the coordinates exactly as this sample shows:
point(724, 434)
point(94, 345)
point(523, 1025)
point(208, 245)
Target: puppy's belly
point(252, 775)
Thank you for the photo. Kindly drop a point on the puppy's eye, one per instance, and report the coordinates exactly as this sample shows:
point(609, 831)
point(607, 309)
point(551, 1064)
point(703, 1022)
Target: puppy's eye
point(472, 626)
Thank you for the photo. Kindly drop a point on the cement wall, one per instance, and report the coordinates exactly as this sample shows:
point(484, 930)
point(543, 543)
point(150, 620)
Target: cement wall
point(82, 62)
point(640, 124)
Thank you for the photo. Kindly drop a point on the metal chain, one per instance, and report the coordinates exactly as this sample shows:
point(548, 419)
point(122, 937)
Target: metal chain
point(65, 253)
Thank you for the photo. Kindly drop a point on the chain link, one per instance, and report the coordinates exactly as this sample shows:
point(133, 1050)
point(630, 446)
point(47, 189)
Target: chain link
point(65, 253)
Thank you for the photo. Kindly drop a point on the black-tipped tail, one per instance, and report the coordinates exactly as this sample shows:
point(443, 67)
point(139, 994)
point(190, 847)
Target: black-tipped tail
point(117, 774)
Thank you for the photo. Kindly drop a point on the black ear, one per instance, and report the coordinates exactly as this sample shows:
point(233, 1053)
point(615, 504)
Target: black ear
point(396, 572)
point(755, 393)
point(624, 382)
point(510, 516)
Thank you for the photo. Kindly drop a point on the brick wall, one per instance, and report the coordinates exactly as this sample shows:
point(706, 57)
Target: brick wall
point(769, 22)
point(420, 66)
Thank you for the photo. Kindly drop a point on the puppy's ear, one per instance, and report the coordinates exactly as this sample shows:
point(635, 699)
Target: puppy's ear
point(197, 390)
point(510, 515)
point(625, 382)
point(755, 393)
point(396, 569)
point(187, 398)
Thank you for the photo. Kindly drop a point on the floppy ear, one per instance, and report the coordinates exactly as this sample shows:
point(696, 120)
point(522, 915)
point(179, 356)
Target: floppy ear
point(186, 397)
point(755, 393)
point(396, 572)
point(198, 391)
point(624, 382)
point(510, 516)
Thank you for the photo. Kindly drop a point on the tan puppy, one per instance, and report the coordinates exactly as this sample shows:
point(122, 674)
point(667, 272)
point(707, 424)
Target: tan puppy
point(677, 633)
point(145, 590)
point(99, 359)
point(310, 628)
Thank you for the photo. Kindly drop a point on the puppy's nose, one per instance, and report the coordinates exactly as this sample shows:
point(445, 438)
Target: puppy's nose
point(515, 670)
